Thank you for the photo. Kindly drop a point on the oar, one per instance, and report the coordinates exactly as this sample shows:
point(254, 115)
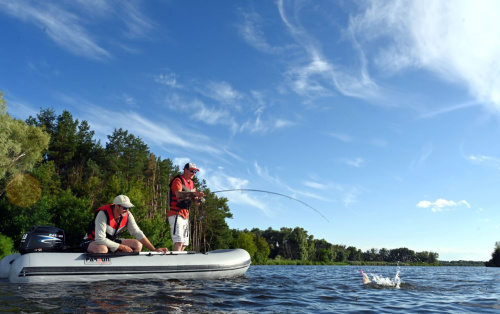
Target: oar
point(168, 253)
point(117, 254)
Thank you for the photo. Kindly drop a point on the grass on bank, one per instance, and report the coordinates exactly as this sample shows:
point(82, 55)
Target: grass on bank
point(363, 263)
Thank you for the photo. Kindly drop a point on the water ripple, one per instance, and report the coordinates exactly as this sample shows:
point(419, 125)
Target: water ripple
point(272, 289)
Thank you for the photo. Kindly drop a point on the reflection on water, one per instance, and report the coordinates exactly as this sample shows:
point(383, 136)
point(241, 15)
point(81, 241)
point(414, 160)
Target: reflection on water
point(273, 289)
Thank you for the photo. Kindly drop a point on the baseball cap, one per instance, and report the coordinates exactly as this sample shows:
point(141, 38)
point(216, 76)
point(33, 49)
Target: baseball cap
point(191, 166)
point(123, 200)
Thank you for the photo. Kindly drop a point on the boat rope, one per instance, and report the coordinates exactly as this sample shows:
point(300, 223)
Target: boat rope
point(269, 192)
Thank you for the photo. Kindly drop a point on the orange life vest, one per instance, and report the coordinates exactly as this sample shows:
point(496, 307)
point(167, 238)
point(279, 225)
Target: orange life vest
point(113, 227)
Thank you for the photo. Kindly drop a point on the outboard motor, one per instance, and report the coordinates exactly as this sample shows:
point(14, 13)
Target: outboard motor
point(42, 239)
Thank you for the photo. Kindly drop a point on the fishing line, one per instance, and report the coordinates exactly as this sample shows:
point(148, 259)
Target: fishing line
point(269, 192)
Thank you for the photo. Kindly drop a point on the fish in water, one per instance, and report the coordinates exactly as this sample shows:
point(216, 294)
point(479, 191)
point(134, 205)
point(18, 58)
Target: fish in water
point(366, 280)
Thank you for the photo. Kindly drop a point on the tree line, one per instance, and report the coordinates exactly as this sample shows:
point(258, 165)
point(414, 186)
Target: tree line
point(495, 256)
point(54, 172)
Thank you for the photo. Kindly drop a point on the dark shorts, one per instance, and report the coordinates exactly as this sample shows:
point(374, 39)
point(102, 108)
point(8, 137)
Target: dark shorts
point(85, 244)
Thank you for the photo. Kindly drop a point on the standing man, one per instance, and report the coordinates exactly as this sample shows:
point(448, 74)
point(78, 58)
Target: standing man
point(182, 192)
point(109, 222)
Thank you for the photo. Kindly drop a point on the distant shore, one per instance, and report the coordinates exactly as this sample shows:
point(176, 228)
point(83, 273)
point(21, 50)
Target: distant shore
point(362, 263)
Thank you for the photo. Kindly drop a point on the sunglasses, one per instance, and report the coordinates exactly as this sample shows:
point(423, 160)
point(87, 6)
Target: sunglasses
point(125, 208)
point(193, 171)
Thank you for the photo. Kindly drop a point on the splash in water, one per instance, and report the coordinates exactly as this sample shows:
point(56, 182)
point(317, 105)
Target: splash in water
point(382, 281)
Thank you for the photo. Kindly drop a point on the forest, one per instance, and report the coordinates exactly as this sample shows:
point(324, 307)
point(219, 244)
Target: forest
point(54, 172)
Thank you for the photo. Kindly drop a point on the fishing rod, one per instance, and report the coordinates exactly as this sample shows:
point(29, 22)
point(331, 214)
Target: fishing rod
point(269, 192)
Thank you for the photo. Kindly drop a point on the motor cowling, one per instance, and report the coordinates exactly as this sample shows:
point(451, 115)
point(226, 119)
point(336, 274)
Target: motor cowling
point(43, 239)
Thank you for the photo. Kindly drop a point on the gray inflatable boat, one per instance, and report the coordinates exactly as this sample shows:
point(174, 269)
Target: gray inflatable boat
point(61, 266)
point(42, 258)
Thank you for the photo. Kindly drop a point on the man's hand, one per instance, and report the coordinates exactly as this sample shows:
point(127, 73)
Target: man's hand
point(162, 249)
point(186, 194)
point(125, 248)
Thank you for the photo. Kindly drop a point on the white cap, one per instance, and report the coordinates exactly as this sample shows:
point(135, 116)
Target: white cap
point(123, 200)
point(191, 166)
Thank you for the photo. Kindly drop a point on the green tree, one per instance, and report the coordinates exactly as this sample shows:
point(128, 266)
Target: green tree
point(311, 248)
point(341, 253)
point(275, 240)
point(285, 247)
point(495, 256)
point(21, 146)
point(383, 255)
point(353, 254)
point(71, 214)
point(127, 155)
point(246, 241)
point(64, 144)
point(6, 246)
point(263, 249)
point(208, 222)
point(370, 255)
point(402, 255)
point(298, 244)
point(18, 220)
point(324, 251)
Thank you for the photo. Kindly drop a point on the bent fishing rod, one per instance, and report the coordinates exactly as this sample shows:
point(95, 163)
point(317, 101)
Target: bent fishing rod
point(269, 192)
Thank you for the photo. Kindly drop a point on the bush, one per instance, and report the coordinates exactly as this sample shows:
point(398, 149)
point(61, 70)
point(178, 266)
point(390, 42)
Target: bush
point(6, 246)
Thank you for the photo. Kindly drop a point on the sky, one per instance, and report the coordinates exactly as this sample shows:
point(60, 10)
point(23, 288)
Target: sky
point(377, 120)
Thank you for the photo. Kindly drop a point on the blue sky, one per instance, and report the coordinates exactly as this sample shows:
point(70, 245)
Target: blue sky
point(383, 116)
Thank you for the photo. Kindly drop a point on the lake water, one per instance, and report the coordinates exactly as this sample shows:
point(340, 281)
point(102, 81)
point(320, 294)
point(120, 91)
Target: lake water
point(274, 289)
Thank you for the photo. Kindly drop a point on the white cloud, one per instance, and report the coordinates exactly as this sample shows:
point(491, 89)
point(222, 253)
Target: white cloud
point(223, 92)
point(199, 111)
point(356, 162)
point(220, 181)
point(138, 24)
point(442, 205)
point(165, 134)
point(257, 125)
point(450, 109)
point(458, 41)
point(251, 31)
point(169, 79)
point(227, 108)
point(489, 161)
point(315, 185)
point(317, 76)
point(424, 155)
point(180, 161)
point(69, 24)
point(62, 26)
point(20, 109)
point(342, 137)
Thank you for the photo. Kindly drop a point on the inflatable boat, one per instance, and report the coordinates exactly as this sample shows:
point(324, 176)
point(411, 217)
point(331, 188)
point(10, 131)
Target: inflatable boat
point(40, 262)
point(55, 267)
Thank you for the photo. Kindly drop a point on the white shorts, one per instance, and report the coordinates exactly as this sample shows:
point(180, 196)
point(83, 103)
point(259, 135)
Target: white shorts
point(181, 233)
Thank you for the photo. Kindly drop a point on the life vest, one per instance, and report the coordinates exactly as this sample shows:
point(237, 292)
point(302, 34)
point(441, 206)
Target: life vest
point(113, 227)
point(175, 204)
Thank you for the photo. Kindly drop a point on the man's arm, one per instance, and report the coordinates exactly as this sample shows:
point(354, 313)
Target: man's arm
point(134, 230)
point(145, 241)
point(181, 195)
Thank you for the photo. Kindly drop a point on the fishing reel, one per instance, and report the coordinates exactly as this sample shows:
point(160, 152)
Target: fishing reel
point(201, 200)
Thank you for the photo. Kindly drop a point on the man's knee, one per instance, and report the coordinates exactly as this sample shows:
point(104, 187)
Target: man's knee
point(135, 245)
point(97, 248)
